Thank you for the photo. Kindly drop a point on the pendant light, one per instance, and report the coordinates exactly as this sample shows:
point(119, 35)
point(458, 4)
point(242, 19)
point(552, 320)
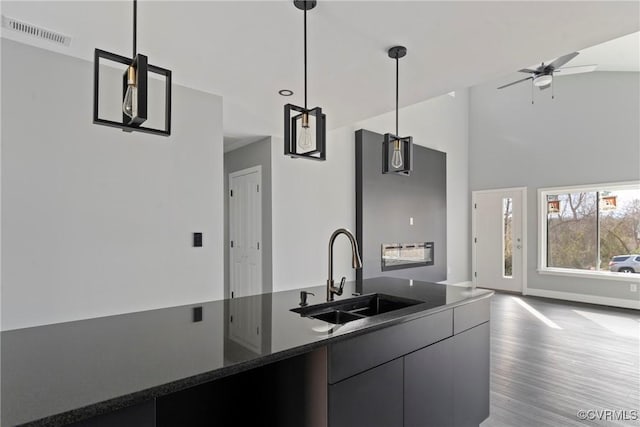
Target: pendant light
point(304, 128)
point(397, 151)
point(134, 88)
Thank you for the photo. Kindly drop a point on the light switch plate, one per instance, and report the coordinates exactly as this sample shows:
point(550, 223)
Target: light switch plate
point(197, 314)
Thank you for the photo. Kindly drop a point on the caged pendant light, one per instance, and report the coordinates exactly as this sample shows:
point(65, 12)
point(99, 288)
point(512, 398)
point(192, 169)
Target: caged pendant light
point(134, 88)
point(397, 151)
point(304, 128)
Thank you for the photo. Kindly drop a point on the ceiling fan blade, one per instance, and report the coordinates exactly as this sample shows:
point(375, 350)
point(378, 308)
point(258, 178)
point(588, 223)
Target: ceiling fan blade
point(528, 70)
point(516, 82)
point(575, 70)
point(561, 61)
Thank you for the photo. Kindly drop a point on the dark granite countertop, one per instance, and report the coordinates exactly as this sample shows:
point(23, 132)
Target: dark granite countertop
point(56, 374)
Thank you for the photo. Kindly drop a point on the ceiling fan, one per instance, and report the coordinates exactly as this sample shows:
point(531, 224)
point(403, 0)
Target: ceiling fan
point(542, 76)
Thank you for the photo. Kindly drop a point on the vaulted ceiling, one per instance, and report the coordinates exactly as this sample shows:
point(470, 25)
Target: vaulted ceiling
point(246, 51)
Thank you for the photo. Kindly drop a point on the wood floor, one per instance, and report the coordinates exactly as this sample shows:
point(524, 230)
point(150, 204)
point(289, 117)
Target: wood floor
point(542, 374)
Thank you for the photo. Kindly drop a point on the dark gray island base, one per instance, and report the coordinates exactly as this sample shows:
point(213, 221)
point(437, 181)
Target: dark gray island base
point(251, 361)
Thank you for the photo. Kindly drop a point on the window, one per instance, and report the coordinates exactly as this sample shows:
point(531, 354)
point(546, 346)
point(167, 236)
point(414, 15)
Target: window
point(590, 228)
point(507, 236)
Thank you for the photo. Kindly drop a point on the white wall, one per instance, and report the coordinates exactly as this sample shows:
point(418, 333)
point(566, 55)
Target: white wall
point(96, 221)
point(311, 199)
point(589, 134)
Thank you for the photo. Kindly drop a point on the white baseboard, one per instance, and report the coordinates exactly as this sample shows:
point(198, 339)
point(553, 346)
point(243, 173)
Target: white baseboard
point(466, 284)
point(591, 299)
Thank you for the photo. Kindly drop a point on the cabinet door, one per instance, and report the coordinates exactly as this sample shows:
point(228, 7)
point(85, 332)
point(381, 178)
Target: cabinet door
point(428, 386)
point(350, 357)
point(471, 373)
point(370, 399)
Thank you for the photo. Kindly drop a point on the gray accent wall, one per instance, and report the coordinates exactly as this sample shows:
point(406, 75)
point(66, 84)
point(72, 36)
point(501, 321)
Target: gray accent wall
point(589, 134)
point(257, 153)
point(385, 202)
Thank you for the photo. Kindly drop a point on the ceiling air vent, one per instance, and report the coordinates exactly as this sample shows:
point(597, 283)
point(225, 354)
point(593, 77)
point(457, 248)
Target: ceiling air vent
point(35, 31)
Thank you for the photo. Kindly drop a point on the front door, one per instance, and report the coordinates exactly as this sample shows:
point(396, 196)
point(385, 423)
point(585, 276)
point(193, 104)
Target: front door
point(498, 239)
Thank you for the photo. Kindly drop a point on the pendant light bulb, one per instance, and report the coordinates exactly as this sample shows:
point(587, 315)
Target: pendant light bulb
point(305, 141)
point(130, 102)
point(396, 160)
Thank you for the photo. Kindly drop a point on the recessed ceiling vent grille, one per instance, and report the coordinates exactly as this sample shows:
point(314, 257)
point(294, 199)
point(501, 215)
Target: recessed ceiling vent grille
point(35, 31)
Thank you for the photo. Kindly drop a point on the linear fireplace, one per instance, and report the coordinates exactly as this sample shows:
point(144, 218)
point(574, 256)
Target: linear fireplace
point(396, 256)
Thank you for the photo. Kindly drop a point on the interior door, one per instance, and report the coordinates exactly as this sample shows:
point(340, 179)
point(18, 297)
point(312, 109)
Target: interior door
point(245, 232)
point(245, 317)
point(498, 239)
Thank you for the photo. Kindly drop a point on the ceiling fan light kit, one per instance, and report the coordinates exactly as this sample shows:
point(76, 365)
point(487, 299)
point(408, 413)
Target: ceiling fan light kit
point(397, 151)
point(134, 96)
point(305, 128)
point(543, 80)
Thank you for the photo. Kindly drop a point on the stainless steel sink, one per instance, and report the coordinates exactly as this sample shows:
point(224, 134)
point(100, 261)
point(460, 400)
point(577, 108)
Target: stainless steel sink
point(347, 310)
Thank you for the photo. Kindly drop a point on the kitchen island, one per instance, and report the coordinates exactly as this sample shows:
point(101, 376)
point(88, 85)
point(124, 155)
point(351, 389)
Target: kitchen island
point(253, 360)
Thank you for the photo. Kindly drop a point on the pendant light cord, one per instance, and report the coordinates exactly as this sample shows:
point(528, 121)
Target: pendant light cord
point(135, 27)
point(305, 59)
point(397, 91)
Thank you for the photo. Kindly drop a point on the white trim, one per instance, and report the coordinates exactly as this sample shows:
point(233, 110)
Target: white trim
point(247, 171)
point(465, 284)
point(474, 253)
point(525, 240)
point(542, 229)
point(591, 299)
point(500, 190)
point(542, 224)
point(587, 274)
point(624, 185)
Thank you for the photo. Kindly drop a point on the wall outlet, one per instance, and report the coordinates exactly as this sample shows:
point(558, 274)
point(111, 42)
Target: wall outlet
point(197, 240)
point(633, 287)
point(410, 220)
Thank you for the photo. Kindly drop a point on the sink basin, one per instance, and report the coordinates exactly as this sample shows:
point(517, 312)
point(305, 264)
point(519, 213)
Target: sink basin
point(347, 310)
point(337, 317)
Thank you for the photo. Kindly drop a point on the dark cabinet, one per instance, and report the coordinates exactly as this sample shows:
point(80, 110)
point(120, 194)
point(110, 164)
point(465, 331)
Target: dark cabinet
point(471, 358)
point(432, 371)
point(436, 372)
point(349, 357)
point(141, 415)
point(373, 398)
point(447, 383)
point(428, 386)
point(280, 394)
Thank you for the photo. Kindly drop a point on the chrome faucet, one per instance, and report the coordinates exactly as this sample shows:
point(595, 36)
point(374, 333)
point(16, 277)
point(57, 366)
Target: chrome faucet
point(356, 262)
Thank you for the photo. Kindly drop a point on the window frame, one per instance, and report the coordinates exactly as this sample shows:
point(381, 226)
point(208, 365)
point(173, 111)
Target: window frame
point(542, 230)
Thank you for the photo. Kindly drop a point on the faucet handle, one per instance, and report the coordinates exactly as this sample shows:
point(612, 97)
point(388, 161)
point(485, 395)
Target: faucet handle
point(341, 285)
